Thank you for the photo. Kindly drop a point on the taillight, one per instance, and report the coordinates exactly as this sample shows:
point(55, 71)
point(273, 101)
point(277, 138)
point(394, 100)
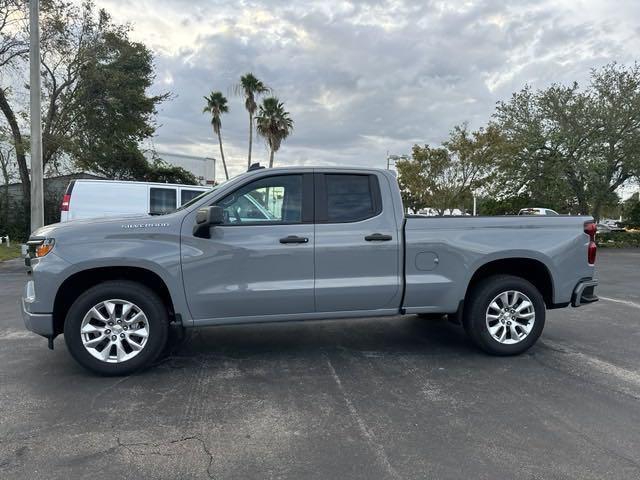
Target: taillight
point(591, 229)
point(591, 253)
point(64, 206)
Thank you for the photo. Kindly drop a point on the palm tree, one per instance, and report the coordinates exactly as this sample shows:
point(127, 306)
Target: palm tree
point(216, 106)
point(250, 87)
point(274, 124)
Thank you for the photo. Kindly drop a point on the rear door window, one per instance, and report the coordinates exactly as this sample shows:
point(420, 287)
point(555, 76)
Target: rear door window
point(348, 198)
point(162, 200)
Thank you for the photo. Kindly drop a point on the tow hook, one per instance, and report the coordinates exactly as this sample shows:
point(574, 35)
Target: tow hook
point(50, 343)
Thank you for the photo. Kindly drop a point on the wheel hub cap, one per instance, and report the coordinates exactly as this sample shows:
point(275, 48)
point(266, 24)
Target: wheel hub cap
point(510, 317)
point(114, 331)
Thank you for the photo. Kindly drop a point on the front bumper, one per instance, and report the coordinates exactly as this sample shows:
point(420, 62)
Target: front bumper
point(584, 293)
point(40, 323)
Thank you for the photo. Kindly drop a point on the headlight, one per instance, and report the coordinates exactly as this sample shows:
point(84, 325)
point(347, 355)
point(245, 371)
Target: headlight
point(42, 247)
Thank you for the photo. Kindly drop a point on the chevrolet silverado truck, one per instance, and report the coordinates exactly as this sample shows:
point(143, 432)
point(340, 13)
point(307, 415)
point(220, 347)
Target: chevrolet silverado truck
point(285, 244)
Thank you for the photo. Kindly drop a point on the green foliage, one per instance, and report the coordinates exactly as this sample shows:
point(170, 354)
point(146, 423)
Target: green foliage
point(570, 149)
point(7, 253)
point(412, 177)
point(631, 212)
point(250, 87)
point(618, 240)
point(216, 105)
point(94, 84)
point(274, 124)
point(161, 171)
point(445, 177)
point(13, 222)
point(114, 113)
point(509, 205)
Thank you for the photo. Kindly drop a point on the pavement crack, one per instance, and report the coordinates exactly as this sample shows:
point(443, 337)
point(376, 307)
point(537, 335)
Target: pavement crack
point(158, 446)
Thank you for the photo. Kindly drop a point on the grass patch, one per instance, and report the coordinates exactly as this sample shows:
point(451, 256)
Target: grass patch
point(7, 253)
point(619, 239)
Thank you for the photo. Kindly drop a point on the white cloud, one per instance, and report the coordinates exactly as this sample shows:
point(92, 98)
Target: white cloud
point(363, 77)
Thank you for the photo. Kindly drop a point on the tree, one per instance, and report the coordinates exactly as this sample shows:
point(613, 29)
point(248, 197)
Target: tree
point(414, 184)
point(94, 81)
point(274, 124)
point(113, 113)
point(568, 148)
point(446, 177)
point(163, 172)
point(216, 106)
point(631, 211)
point(13, 51)
point(250, 87)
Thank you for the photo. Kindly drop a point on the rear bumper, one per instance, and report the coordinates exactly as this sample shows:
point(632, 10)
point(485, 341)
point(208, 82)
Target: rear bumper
point(585, 292)
point(40, 323)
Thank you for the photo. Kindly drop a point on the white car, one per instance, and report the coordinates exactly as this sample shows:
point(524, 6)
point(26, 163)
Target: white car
point(614, 225)
point(107, 198)
point(537, 211)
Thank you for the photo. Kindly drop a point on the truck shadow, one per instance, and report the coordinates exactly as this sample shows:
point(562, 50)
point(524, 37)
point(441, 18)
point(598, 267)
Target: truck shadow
point(383, 336)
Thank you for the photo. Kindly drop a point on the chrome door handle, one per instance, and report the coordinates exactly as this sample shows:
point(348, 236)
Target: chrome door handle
point(294, 239)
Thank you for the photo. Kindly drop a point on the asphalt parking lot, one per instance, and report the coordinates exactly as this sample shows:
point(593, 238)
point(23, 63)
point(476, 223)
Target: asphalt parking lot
point(381, 398)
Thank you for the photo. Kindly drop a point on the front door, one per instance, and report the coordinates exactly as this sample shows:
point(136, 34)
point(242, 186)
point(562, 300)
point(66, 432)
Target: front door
point(260, 261)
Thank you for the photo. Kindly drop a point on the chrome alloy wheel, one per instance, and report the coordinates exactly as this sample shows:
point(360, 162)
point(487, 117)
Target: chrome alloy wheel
point(510, 317)
point(114, 331)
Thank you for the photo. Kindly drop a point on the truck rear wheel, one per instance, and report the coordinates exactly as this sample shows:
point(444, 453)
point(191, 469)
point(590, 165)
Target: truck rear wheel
point(116, 328)
point(504, 315)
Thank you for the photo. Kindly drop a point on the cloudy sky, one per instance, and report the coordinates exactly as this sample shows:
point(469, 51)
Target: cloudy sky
point(361, 78)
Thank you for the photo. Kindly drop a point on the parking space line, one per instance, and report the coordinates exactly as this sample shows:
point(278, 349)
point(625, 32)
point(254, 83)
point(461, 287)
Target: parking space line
point(624, 302)
point(362, 426)
point(630, 377)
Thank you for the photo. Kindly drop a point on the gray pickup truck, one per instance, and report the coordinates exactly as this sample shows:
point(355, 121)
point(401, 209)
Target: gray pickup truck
point(302, 243)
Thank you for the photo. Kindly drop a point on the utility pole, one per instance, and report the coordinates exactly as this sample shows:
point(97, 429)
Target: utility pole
point(37, 195)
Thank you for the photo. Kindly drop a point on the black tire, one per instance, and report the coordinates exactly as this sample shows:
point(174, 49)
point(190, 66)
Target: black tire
point(475, 311)
point(136, 293)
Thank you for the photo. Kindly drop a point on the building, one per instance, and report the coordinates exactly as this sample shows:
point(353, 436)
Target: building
point(204, 168)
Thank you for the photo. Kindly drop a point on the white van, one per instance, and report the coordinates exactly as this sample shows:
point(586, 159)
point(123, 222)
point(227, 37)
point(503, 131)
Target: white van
point(109, 198)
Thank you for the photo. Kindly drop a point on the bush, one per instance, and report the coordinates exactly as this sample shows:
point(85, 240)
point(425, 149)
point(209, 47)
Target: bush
point(631, 211)
point(619, 239)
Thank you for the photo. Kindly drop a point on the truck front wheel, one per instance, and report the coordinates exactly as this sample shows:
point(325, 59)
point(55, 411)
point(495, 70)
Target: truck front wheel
point(116, 328)
point(504, 315)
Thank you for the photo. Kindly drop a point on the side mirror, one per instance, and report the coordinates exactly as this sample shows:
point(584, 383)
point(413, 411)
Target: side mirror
point(207, 217)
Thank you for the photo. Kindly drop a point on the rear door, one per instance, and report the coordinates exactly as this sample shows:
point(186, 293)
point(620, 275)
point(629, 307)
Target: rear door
point(260, 261)
point(356, 256)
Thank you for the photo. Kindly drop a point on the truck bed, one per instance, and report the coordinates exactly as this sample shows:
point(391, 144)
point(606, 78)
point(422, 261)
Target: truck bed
point(443, 254)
